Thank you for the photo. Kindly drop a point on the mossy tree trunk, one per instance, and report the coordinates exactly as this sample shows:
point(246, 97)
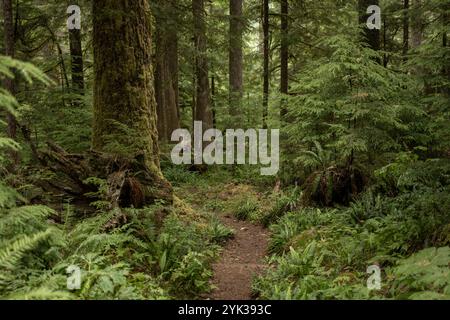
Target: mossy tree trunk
point(124, 100)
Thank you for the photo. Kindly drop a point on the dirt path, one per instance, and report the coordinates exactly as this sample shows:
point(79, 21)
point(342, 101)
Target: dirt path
point(241, 259)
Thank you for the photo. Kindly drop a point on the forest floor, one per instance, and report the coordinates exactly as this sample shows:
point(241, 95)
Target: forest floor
point(242, 257)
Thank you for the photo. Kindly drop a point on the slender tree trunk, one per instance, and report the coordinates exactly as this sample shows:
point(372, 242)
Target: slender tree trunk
point(266, 51)
point(76, 58)
point(372, 36)
point(417, 30)
point(203, 111)
point(385, 44)
point(446, 25)
point(405, 28)
point(9, 84)
point(77, 65)
point(235, 57)
point(284, 55)
point(166, 75)
point(416, 24)
point(213, 100)
point(124, 102)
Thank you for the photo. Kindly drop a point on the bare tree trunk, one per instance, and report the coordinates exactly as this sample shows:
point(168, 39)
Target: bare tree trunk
point(76, 58)
point(416, 25)
point(9, 84)
point(446, 25)
point(166, 75)
point(385, 44)
point(405, 28)
point(266, 51)
point(213, 100)
point(284, 55)
point(203, 111)
point(235, 57)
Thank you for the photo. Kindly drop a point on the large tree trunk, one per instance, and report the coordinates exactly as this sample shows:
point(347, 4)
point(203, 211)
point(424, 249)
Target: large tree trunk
point(9, 85)
point(124, 103)
point(235, 57)
point(266, 51)
point(166, 75)
point(284, 55)
point(203, 111)
point(372, 37)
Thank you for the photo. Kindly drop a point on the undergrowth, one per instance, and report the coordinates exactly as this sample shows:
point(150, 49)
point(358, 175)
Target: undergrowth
point(323, 253)
point(137, 259)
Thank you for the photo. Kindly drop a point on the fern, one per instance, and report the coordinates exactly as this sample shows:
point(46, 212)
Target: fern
point(424, 275)
point(24, 216)
point(42, 293)
point(11, 254)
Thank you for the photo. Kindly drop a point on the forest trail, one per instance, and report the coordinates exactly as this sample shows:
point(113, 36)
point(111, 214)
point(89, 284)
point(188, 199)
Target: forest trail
point(240, 260)
point(242, 256)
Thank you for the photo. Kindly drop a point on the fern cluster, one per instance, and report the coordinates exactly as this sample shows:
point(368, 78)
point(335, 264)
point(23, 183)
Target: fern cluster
point(324, 253)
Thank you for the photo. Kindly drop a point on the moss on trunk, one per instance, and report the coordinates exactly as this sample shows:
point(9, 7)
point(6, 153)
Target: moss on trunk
point(124, 102)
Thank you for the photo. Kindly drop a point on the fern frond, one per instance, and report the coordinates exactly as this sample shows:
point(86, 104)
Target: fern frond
point(13, 253)
point(21, 216)
point(42, 294)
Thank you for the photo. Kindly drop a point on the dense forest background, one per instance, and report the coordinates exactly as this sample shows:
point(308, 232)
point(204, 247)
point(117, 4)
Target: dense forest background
point(88, 184)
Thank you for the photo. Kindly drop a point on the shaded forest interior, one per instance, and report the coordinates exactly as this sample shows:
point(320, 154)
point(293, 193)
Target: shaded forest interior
point(93, 91)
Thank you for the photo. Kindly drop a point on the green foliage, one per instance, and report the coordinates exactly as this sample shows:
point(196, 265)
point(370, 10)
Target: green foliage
point(192, 274)
point(247, 210)
point(423, 276)
point(371, 136)
point(349, 106)
point(179, 175)
point(323, 254)
point(122, 254)
point(218, 232)
point(8, 102)
point(287, 202)
point(27, 242)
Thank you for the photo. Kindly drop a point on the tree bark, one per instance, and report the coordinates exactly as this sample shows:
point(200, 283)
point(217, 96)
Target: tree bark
point(405, 28)
point(372, 37)
point(124, 103)
point(284, 55)
point(266, 51)
point(416, 25)
point(9, 84)
point(76, 58)
point(446, 24)
point(203, 111)
point(166, 75)
point(235, 57)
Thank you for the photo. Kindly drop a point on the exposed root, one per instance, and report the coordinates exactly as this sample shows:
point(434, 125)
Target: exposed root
point(129, 182)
